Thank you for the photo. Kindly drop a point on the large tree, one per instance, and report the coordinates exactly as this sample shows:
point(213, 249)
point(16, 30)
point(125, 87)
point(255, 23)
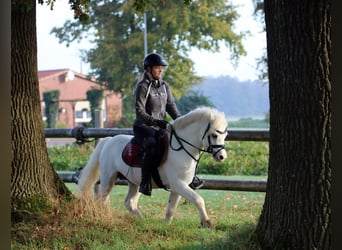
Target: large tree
point(117, 32)
point(296, 212)
point(33, 179)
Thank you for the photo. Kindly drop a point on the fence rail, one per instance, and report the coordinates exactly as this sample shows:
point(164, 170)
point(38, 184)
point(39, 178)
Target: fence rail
point(209, 184)
point(82, 134)
point(233, 135)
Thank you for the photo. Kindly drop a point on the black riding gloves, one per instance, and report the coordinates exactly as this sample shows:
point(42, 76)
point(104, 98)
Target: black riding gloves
point(161, 123)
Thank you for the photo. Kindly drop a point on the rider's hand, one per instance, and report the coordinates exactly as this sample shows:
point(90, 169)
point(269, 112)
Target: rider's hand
point(161, 123)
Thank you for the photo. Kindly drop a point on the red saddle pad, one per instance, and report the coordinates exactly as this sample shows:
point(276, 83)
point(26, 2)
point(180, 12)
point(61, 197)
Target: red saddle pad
point(132, 154)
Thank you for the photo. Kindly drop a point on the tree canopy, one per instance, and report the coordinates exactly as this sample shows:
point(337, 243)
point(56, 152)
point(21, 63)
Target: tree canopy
point(192, 100)
point(116, 29)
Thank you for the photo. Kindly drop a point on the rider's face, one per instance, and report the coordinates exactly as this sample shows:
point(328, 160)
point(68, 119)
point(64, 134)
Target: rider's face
point(157, 71)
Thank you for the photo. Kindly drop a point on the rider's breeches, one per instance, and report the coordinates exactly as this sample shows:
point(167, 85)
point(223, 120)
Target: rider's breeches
point(147, 137)
point(148, 163)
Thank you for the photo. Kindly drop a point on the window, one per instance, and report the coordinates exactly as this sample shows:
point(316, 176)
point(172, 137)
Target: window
point(83, 115)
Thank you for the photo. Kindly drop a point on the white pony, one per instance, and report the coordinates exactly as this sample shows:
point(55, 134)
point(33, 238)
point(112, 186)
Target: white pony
point(201, 130)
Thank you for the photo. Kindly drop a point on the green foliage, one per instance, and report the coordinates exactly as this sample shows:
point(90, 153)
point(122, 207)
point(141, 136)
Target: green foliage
point(259, 15)
point(80, 8)
point(50, 99)
point(192, 100)
point(61, 125)
point(70, 157)
point(95, 97)
point(173, 28)
point(127, 120)
point(244, 158)
point(128, 115)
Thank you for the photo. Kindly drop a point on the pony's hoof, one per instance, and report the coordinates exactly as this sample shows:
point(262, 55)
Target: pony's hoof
point(206, 224)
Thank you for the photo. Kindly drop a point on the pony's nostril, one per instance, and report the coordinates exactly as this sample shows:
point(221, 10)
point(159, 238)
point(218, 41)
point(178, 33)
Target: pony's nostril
point(221, 157)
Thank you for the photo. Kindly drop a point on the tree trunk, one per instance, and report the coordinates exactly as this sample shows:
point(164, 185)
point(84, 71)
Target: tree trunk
point(296, 212)
point(32, 173)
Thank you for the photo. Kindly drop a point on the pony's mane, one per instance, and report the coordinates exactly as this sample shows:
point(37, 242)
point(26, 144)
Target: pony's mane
point(200, 114)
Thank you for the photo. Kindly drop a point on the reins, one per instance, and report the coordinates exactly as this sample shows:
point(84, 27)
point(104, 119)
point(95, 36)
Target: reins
point(180, 140)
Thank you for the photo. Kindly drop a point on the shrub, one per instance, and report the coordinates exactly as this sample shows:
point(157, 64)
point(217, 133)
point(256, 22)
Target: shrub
point(244, 158)
point(70, 157)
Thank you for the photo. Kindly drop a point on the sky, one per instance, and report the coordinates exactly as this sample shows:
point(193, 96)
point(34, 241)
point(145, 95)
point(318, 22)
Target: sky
point(52, 55)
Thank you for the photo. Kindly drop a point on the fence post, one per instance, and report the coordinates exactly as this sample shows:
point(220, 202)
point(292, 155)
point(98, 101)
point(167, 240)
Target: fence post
point(98, 121)
point(98, 124)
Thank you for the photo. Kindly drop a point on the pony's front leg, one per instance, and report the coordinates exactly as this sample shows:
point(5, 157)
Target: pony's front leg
point(184, 190)
point(172, 206)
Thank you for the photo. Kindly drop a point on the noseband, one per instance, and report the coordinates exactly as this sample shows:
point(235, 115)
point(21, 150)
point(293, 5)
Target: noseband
point(211, 147)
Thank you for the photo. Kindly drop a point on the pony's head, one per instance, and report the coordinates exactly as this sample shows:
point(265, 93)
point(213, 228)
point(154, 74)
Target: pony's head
point(214, 135)
point(213, 131)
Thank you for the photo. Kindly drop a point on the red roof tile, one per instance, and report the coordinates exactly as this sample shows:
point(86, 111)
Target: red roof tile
point(48, 73)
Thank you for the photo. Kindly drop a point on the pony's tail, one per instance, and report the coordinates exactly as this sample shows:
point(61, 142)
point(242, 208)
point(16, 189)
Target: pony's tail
point(90, 173)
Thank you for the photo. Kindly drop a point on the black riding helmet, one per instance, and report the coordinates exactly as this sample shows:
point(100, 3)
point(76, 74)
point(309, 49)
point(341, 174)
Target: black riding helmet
point(154, 59)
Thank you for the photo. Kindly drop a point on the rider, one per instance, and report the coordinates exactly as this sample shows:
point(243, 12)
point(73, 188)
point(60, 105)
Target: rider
point(153, 98)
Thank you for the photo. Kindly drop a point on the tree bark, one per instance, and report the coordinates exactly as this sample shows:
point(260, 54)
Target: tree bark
point(296, 212)
point(31, 171)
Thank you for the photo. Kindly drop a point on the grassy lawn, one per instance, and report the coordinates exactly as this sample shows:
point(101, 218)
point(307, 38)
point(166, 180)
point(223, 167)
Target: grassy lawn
point(219, 204)
point(89, 226)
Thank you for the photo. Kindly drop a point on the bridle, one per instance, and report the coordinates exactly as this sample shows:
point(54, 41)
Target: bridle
point(210, 148)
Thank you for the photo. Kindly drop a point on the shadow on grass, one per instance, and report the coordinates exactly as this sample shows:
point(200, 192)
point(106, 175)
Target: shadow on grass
point(239, 237)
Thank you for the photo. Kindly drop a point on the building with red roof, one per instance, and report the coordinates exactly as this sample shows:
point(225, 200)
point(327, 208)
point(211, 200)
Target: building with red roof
point(73, 106)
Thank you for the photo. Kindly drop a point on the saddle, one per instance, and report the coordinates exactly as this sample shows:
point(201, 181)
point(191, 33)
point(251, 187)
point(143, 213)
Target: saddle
point(133, 152)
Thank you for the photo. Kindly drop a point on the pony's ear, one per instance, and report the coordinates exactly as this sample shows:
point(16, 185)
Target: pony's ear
point(211, 118)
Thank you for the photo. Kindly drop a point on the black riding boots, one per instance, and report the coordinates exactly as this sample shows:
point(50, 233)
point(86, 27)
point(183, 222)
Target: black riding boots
point(146, 174)
point(148, 165)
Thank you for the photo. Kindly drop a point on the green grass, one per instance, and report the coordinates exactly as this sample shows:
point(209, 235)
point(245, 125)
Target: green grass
point(77, 225)
point(216, 200)
point(90, 226)
point(249, 122)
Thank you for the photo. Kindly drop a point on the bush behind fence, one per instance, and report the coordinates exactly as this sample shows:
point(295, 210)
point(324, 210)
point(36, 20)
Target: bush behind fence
point(244, 158)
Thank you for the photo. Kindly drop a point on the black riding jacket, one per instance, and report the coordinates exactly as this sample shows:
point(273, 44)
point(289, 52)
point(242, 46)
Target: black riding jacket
point(153, 99)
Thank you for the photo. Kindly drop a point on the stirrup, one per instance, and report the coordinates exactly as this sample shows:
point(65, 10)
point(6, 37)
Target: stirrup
point(196, 183)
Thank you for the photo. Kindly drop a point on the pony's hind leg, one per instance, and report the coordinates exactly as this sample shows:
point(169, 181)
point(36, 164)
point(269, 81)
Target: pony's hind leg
point(106, 185)
point(132, 198)
point(104, 194)
point(174, 199)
